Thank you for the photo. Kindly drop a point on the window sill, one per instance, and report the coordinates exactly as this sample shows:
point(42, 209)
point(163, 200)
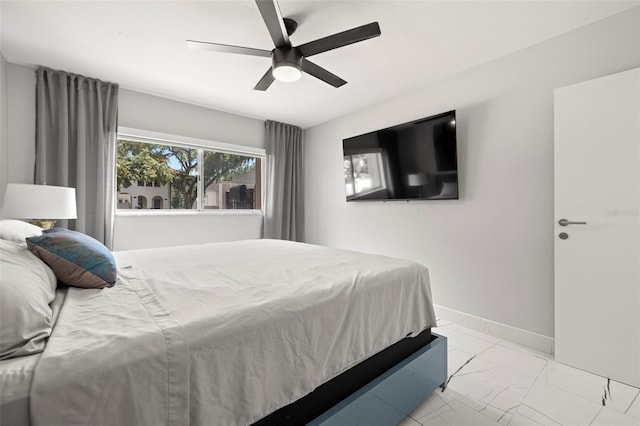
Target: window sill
point(165, 212)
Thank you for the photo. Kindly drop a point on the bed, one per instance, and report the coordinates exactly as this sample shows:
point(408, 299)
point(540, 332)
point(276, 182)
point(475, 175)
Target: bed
point(233, 333)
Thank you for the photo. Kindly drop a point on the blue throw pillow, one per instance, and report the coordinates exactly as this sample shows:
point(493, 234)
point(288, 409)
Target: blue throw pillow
point(77, 259)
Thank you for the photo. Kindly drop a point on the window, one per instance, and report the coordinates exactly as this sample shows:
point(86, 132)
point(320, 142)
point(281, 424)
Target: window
point(363, 173)
point(156, 173)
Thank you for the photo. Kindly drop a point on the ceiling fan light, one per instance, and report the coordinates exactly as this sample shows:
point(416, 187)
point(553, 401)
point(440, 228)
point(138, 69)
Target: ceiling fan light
point(287, 73)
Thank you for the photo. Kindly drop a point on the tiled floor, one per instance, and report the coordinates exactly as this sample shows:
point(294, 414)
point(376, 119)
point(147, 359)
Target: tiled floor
point(493, 381)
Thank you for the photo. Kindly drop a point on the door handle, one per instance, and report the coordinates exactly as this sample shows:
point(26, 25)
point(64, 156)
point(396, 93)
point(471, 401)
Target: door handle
point(565, 222)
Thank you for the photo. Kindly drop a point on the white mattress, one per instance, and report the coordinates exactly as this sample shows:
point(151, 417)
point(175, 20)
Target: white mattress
point(223, 333)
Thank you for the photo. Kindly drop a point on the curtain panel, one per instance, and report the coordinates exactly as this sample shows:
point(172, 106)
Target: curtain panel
point(284, 203)
point(76, 126)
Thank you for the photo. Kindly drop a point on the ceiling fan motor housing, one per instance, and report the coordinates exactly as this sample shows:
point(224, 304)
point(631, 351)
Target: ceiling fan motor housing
point(290, 56)
point(287, 63)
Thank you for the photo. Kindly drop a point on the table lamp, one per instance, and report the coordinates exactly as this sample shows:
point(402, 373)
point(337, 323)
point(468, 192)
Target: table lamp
point(417, 179)
point(41, 204)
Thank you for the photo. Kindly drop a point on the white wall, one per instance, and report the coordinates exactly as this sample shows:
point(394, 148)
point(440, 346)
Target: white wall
point(146, 112)
point(141, 111)
point(490, 254)
point(160, 231)
point(4, 137)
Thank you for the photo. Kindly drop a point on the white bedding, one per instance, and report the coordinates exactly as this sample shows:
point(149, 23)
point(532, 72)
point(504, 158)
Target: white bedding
point(15, 383)
point(223, 333)
point(16, 375)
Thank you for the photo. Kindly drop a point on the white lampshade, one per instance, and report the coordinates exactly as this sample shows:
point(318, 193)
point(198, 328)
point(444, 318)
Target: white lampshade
point(24, 201)
point(417, 179)
point(286, 73)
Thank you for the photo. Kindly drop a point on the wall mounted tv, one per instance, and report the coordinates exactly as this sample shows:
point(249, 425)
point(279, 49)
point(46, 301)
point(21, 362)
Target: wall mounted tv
point(410, 161)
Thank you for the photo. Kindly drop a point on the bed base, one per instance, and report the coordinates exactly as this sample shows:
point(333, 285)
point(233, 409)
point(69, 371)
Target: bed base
point(403, 374)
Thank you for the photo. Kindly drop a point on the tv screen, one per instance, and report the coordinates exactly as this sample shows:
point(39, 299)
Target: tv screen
point(410, 161)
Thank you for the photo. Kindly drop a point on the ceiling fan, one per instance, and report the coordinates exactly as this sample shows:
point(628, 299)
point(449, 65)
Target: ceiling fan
point(288, 62)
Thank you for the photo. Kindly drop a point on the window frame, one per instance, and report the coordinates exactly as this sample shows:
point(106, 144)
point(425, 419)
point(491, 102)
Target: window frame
point(380, 170)
point(146, 136)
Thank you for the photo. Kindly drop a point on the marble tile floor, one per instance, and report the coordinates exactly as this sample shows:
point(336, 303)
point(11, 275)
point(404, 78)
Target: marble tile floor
point(496, 382)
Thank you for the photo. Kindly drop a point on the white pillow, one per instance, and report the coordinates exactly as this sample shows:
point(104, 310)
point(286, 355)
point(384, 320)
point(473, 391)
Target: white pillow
point(18, 230)
point(27, 287)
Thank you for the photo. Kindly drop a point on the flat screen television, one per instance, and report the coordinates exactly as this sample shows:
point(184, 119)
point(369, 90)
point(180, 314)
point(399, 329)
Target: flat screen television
point(410, 161)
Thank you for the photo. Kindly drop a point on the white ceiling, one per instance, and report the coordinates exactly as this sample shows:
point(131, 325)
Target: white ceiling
point(141, 46)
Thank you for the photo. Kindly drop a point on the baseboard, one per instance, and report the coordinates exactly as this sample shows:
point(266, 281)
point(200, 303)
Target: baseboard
point(516, 335)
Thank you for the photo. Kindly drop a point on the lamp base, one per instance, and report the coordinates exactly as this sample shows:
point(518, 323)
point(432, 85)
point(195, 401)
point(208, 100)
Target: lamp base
point(43, 223)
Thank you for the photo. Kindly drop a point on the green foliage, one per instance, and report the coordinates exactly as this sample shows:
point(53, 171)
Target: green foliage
point(177, 201)
point(184, 186)
point(142, 161)
point(219, 166)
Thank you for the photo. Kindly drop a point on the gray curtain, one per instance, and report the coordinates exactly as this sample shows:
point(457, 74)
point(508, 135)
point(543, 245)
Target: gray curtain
point(284, 203)
point(76, 125)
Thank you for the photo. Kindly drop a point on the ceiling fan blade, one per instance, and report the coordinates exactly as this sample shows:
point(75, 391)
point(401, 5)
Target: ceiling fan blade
point(265, 81)
point(275, 24)
point(344, 38)
point(227, 48)
point(322, 74)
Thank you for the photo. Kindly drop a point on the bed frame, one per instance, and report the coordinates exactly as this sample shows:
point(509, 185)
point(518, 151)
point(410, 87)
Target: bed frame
point(404, 373)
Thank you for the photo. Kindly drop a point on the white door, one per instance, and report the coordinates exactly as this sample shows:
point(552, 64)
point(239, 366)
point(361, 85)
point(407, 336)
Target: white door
point(597, 266)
